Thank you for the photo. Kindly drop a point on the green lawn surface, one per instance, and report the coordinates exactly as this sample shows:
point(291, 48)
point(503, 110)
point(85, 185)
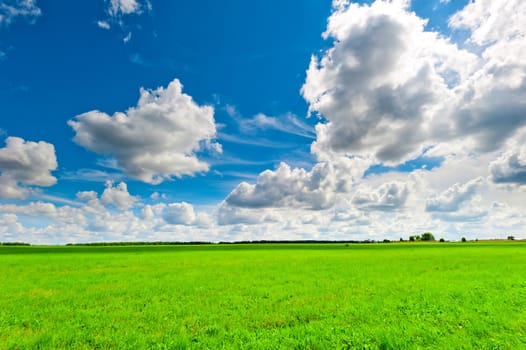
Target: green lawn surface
point(265, 296)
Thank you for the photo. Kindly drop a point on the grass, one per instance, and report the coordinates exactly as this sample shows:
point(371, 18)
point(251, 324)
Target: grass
point(373, 296)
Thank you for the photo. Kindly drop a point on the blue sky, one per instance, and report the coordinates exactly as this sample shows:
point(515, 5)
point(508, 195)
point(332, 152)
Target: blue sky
point(260, 120)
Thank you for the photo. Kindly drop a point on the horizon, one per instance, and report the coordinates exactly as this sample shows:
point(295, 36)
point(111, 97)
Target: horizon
point(141, 120)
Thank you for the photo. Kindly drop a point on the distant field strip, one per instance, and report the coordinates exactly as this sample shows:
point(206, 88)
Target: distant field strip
point(311, 296)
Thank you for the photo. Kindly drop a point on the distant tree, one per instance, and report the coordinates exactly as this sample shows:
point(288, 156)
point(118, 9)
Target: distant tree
point(511, 238)
point(442, 240)
point(428, 236)
point(463, 239)
point(387, 241)
point(401, 239)
point(411, 238)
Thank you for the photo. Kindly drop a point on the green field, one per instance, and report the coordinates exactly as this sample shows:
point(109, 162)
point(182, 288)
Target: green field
point(364, 296)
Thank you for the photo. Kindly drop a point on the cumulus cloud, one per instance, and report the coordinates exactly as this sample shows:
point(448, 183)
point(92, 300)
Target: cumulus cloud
point(154, 141)
point(451, 199)
point(25, 163)
point(32, 209)
point(118, 196)
point(387, 197)
point(491, 101)
point(147, 213)
point(232, 215)
point(380, 83)
point(10, 10)
point(86, 195)
point(179, 214)
point(510, 167)
point(390, 88)
point(491, 20)
point(183, 214)
point(297, 188)
point(386, 91)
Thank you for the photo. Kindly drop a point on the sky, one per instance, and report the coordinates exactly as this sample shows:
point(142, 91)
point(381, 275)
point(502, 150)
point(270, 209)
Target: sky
point(144, 120)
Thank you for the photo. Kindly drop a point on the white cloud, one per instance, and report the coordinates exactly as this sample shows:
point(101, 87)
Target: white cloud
point(389, 196)
point(147, 213)
point(451, 199)
point(388, 87)
point(510, 167)
point(183, 214)
point(91, 175)
point(86, 195)
point(103, 25)
point(155, 141)
point(492, 101)
point(179, 214)
point(32, 209)
point(118, 10)
point(298, 188)
point(123, 7)
point(492, 20)
point(156, 196)
point(127, 38)
point(287, 123)
point(118, 196)
point(25, 163)
point(386, 90)
point(10, 10)
point(232, 215)
point(381, 83)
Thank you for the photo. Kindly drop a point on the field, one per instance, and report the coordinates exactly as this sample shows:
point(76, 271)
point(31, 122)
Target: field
point(365, 296)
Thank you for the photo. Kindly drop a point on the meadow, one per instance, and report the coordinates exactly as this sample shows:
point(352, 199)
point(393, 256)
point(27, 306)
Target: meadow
point(290, 296)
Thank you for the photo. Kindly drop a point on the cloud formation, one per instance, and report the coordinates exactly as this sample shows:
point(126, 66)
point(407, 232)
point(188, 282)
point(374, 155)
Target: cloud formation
point(154, 141)
point(387, 91)
point(123, 7)
point(390, 88)
point(451, 199)
point(380, 83)
point(118, 10)
point(179, 214)
point(23, 164)
point(297, 188)
point(387, 197)
point(117, 195)
point(510, 167)
point(288, 124)
point(10, 10)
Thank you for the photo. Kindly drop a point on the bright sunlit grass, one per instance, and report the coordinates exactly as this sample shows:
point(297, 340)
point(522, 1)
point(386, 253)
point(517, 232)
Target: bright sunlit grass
point(378, 296)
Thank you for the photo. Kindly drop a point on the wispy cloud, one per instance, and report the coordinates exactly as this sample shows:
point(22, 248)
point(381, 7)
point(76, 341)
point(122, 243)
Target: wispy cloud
point(10, 10)
point(127, 38)
point(91, 175)
point(253, 141)
point(288, 124)
point(57, 199)
point(103, 25)
point(118, 10)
